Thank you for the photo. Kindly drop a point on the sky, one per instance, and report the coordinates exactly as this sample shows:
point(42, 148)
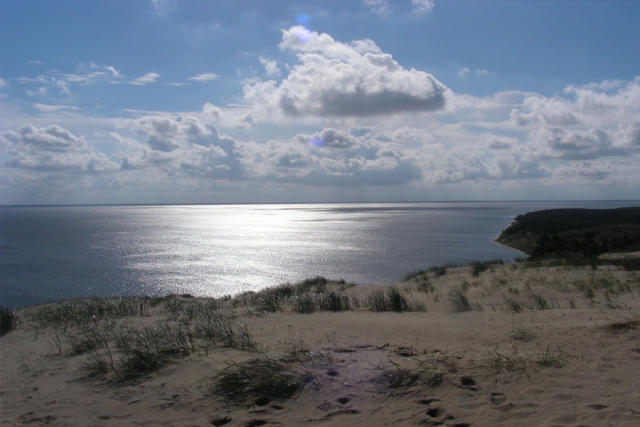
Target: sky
point(274, 101)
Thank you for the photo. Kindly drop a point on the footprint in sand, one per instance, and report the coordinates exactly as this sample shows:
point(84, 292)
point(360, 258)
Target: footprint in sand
point(221, 421)
point(262, 401)
point(498, 398)
point(597, 407)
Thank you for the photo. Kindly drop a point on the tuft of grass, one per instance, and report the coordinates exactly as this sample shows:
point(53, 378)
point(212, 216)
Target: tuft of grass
point(437, 270)
point(478, 267)
point(8, 319)
point(426, 287)
point(549, 359)
point(395, 300)
point(218, 331)
point(333, 300)
point(305, 303)
point(81, 310)
point(516, 306)
point(391, 300)
point(256, 378)
point(538, 302)
point(519, 362)
point(459, 302)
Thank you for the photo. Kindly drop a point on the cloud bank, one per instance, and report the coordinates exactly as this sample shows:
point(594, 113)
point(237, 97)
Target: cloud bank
point(341, 116)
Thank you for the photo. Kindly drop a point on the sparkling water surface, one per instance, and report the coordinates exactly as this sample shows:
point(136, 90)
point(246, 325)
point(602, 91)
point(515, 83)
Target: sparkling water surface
point(52, 253)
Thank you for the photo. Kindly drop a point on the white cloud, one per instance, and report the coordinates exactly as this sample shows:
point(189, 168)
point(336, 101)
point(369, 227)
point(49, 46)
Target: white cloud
point(3, 83)
point(53, 149)
point(62, 82)
point(53, 108)
point(146, 79)
point(334, 79)
point(270, 66)
point(205, 77)
point(422, 6)
point(381, 7)
point(464, 72)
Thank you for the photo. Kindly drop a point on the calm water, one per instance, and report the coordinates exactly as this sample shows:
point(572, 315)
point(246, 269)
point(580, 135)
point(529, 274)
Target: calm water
point(51, 253)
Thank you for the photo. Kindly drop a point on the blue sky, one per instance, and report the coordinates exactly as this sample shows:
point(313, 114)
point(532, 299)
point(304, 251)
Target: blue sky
point(169, 101)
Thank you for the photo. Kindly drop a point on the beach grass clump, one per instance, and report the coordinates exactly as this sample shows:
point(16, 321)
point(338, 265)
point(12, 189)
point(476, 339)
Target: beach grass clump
point(257, 378)
point(8, 319)
point(387, 300)
point(391, 299)
point(539, 302)
point(397, 377)
point(186, 309)
point(395, 300)
point(550, 359)
point(515, 306)
point(305, 303)
point(415, 275)
point(89, 336)
point(436, 270)
point(216, 330)
point(80, 310)
point(478, 267)
point(519, 362)
point(501, 362)
point(126, 352)
point(137, 351)
point(459, 302)
point(319, 282)
point(426, 287)
point(333, 300)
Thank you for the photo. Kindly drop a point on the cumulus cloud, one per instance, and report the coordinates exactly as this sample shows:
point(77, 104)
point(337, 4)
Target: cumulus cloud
point(182, 146)
point(146, 79)
point(334, 79)
point(53, 149)
point(270, 66)
point(205, 77)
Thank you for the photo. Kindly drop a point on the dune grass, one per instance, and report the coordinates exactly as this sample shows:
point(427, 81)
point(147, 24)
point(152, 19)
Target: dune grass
point(257, 378)
point(459, 302)
point(391, 299)
point(8, 319)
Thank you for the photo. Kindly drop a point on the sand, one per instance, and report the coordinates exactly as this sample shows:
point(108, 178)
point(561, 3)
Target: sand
point(365, 368)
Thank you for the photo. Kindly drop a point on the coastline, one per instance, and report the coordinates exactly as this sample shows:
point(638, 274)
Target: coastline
point(537, 344)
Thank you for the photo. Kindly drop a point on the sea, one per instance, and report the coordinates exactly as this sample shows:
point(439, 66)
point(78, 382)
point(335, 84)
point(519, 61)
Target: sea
point(50, 253)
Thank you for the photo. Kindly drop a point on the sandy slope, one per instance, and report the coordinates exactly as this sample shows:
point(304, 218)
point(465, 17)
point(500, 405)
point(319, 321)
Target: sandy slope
point(469, 370)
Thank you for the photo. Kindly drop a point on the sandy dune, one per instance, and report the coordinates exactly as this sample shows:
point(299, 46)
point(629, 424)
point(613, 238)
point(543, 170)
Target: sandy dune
point(541, 352)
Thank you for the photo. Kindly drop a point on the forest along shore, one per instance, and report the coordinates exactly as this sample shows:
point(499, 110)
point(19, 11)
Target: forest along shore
point(574, 232)
point(540, 342)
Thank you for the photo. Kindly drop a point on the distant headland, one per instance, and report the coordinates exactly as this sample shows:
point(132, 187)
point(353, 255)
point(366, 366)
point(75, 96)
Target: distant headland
point(574, 232)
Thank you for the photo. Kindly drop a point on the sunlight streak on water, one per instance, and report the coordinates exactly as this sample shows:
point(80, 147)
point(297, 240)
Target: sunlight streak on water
point(51, 253)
